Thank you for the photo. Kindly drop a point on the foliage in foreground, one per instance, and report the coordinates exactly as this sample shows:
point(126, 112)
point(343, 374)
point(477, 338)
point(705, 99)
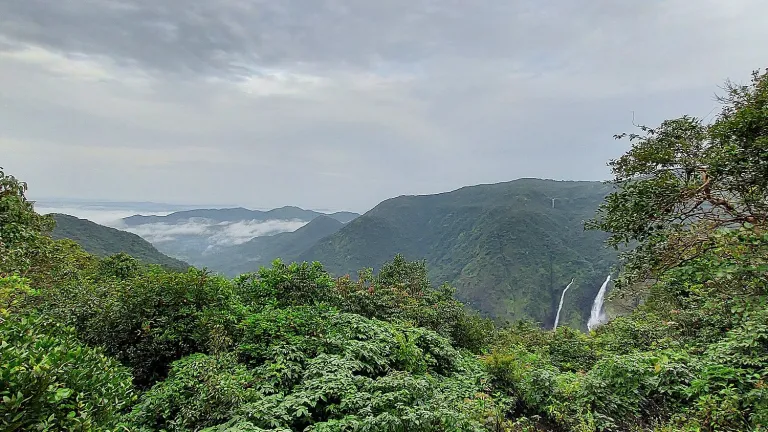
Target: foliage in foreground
point(50, 381)
point(288, 348)
point(694, 356)
point(305, 368)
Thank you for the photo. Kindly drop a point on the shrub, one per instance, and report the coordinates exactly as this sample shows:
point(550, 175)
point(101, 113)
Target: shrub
point(150, 320)
point(402, 292)
point(286, 285)
point(571, 350)
point(640, 331)
point(200, 391)
point(50, 381)
point(314, 368)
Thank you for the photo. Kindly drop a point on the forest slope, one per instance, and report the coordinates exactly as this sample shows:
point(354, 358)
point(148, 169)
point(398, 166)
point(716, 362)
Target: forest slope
point(504, 246)
point(103, 241)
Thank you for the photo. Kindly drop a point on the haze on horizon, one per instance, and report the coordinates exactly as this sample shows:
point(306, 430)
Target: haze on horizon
point(340, 103)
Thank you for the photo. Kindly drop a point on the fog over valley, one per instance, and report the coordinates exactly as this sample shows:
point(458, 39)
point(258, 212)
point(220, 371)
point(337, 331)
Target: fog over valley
point(199, 234)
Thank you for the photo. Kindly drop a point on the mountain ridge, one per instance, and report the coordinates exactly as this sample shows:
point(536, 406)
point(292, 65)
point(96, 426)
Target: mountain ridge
point(238, 214)
point(212, 237)
point(102, 241)
point(492, 242)
point(509, 248)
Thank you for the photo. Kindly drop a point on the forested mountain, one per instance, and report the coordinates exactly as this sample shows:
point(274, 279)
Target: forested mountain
point(504, 246)
point(238, 214)
point(507, 248)
point(103, 241)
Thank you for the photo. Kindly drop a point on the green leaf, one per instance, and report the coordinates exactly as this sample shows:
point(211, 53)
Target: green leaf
point(62, 393)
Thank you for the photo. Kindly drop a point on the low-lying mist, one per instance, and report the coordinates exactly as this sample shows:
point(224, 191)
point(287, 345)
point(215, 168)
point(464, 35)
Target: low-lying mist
point(217, 233)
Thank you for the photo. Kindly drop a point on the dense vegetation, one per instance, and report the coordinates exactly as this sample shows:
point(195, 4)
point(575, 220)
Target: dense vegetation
point(111, 344)
point(508, 251)
point(104, 241)
point(504, 247)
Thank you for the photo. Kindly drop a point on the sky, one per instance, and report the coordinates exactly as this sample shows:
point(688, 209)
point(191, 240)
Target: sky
point(340, 104)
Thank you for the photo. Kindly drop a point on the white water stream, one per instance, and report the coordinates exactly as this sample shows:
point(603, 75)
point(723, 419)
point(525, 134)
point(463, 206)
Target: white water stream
point(559, 308)
point(597, 317)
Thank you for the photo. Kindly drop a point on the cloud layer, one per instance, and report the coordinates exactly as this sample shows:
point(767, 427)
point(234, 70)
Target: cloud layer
point(342, 103)
point(212, 233)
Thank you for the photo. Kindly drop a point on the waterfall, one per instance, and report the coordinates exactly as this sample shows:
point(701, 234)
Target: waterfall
point(559, 308)
point(597, 316)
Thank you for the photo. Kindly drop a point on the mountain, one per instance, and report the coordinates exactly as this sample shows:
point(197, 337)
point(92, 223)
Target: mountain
point(103, 241)
point(261, 251)
point(344, 216)
point(508, 248)
point(207, 237)
point(505, 247)
point(237, 215)
point(218, 215)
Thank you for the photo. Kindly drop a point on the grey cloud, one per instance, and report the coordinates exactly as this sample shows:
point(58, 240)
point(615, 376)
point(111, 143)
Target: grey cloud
point(232, 36)
point(343, 103)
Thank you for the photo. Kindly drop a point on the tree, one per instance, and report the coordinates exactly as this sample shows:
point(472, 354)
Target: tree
point(49, 380)
point(685, 179)
point(21, 229)
point(692, 206)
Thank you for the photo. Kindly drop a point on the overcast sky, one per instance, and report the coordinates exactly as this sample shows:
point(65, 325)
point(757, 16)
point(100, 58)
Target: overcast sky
point(343, 103)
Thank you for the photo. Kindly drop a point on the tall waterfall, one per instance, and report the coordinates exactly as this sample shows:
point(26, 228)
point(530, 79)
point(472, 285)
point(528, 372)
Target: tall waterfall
point(559, 308)
point(597, 316)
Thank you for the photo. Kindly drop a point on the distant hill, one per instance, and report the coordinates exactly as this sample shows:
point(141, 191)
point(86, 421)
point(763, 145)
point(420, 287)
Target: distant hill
point(261, 251)
point(237, 215)
point(203, 237)
point(505, 248)
point(344, 216)
point(103, 241)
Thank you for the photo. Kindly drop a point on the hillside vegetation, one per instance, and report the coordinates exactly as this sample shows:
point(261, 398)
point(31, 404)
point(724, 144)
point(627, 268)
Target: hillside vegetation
point(504, 247)
point(104, 241)
point(112, 344)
